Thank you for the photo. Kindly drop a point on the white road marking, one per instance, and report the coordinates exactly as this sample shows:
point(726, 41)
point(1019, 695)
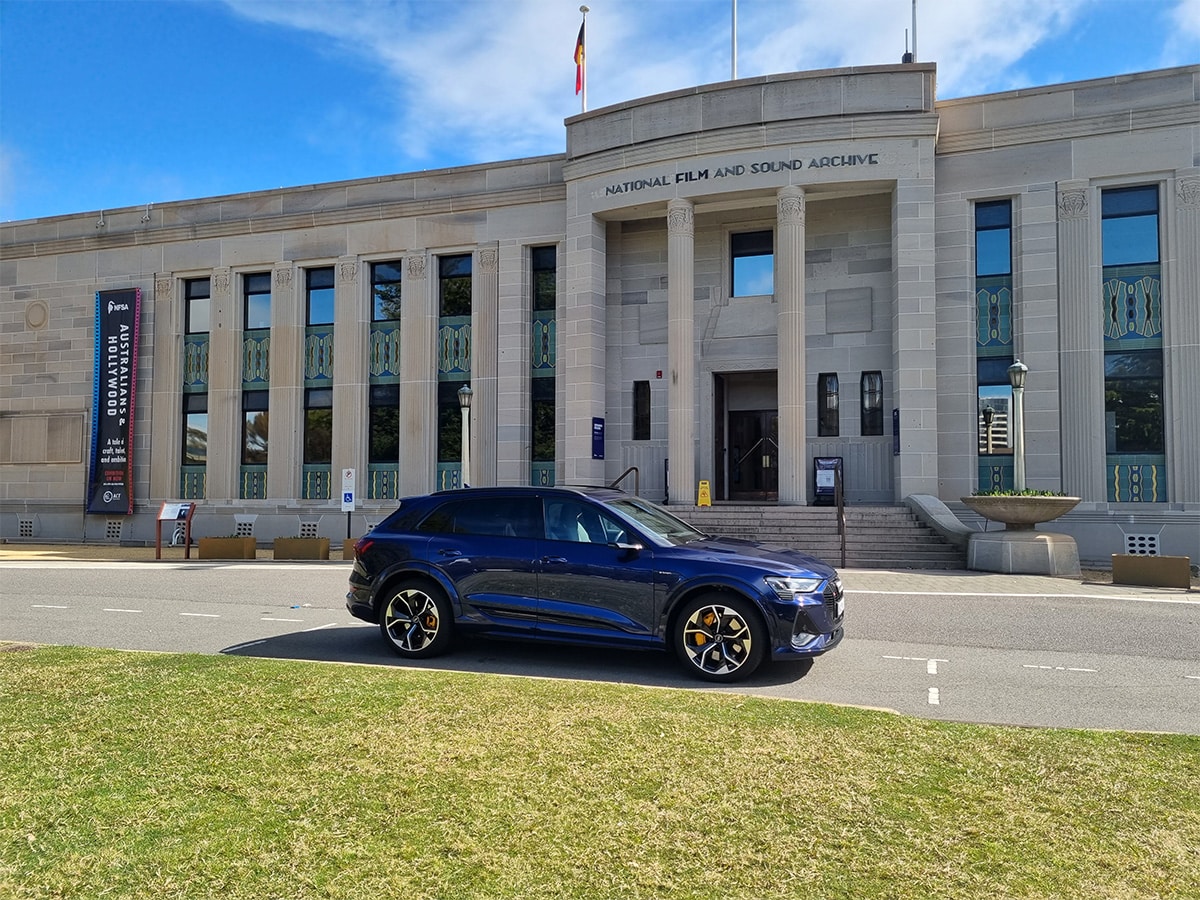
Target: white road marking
point(202, 615)
point(1059, 668)
point(1197, 677)
point(1066, 596)
point(47, 606)
point(935, 698)
point(321, 627)
point(273, 619)
point(122, 610)
point(931, 666)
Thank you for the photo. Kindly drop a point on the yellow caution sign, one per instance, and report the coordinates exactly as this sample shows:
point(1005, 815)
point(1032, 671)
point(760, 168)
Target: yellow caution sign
point(703, 495)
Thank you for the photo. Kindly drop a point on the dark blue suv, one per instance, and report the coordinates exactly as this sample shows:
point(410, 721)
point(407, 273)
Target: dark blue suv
point(588, 566)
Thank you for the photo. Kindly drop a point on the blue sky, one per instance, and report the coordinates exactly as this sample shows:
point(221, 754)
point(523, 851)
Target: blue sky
point(119, 103)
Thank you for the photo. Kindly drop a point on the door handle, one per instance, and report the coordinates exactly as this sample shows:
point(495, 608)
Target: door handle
point(554, 559)
point(451, 553)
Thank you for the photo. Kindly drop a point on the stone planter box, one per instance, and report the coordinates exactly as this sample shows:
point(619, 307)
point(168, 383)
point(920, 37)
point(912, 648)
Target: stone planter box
point(228, 548)
point(348, 548)
point(1153, 571)
point(1020, 513)
point(301, 548)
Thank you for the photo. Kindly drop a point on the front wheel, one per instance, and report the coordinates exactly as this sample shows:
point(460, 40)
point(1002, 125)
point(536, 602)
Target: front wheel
point(416, 620)
point(720, 638)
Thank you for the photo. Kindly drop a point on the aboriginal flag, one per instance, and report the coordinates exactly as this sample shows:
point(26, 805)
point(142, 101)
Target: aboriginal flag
point(579, 59)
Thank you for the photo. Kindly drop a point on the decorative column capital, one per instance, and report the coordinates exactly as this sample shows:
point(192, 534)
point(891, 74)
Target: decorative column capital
point(414, 266)
point(221, 281)
point(1187, 191)
point(348, 271)
point(283, 276)
point(489, 261)
point(680, 217)
point(1072, 203)
point(162, 286)
point(790, 205)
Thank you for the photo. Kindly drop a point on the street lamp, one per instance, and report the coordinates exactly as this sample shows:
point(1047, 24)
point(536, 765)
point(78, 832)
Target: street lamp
point(1016, 377)
point(988, 415)
point(464, 401)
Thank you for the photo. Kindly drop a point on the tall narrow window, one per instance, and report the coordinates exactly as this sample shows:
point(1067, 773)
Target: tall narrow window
point(543, 304)
point(197, 323)
point(254, 428)
point(195, 429)
point(870, 391)
point(827, 405)
point(257, 300)
point(752, 263)
point(319, 296)
point(454, 285)
point(641, 410)
point(318, 426)
point(383, 446)
point(993, 341)
point(385, 291)
point(454, 362)
point(1133, 356)
point(198, 304)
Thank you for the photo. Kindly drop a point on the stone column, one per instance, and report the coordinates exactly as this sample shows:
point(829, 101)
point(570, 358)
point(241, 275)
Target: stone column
point(351, 338)
point(681, 352)
point(485, 300)
point(1081, 349)
point(513, 429)
point(418, 384)
point(582, 349)
point(224, 388)
point(793, 377)
point(1181, 345)
point(285, 434)
point(914, 337)
point(166, 400)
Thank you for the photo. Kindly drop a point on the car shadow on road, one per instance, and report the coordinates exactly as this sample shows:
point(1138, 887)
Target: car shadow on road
point(361, 644)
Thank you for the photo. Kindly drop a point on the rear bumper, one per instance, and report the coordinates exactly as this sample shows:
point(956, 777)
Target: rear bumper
point(358, 603)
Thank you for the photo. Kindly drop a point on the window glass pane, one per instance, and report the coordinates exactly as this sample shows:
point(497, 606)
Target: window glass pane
point(258, 300)
point(1130, 240)
point(995, 402)
point(752, 243)
point(449, 448)
point(454, 285)
point(319, 296)
point(993, 369)
point(544, 262)
point(1133, 415)
point(385, 288)
point(871, 389)
point(383, 442)
point(1129, 201)
point(993, 214)
point(195, 439)
point(1133, 364)
point(254, 438)
point(318, 436)
point(827, 405)
point(753, 276)
point(641, 410)
point(196, 293)
point(543, 420)
point(993, 252)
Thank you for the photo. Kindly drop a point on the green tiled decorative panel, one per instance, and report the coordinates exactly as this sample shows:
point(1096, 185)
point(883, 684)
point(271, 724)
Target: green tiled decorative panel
point(1133, 307)
point(384, 358)
point(315, 483)
point(541, 474)
point(454, 347)
point(256, 357)
point(993, 303)
point(1137, 479)
point(448, 476)
point(318, 355)
point(541, 343)
point(995, 473)
point(253, 483)
point(382, 479)
point(195, 363)
point(192, 482)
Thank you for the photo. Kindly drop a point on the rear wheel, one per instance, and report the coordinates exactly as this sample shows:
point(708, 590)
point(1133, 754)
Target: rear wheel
point(720, 638)
point(416, 620)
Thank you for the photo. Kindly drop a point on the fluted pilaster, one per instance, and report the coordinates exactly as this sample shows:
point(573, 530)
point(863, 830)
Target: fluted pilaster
point(789, 295)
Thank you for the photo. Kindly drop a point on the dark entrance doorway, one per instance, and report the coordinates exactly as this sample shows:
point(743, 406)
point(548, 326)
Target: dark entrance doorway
point(754, 454)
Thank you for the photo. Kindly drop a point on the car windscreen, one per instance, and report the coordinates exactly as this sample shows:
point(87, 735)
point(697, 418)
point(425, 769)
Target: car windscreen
point(656, 521)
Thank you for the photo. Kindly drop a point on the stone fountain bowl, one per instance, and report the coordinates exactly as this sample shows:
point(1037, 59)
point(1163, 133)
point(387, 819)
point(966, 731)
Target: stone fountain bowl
point(1020, 512)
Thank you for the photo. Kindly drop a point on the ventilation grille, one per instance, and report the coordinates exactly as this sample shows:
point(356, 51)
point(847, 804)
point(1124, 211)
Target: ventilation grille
point(25, 527)
point(308, 529)
point(112, 529)
point(244, 529)
point(1141, 544)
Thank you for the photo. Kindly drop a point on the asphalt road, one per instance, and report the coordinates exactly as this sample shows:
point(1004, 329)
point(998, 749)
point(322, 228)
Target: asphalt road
point(1087, 659)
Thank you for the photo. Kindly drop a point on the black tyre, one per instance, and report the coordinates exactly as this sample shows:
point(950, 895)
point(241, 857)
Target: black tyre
point(416, 620)
point(720, 637)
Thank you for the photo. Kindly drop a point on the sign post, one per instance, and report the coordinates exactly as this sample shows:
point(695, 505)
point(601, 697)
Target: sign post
point(348, 497)
point(180, 516)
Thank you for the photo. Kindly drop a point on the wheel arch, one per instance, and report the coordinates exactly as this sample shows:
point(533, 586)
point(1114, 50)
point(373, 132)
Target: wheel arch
point(388, 583)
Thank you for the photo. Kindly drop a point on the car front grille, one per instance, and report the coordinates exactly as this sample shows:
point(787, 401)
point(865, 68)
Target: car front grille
point(833, 593)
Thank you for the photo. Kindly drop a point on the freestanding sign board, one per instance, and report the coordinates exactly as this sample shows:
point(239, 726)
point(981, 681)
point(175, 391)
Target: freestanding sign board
point(114, 386)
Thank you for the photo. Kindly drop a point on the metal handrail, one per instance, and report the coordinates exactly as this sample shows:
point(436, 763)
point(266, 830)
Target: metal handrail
point(841, 509)
point(636, 480)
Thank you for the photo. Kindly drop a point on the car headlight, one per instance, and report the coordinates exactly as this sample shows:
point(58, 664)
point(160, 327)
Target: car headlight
point(794, 588)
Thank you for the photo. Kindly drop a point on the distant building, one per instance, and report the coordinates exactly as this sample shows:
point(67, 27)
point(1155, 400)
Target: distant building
point(720, 283)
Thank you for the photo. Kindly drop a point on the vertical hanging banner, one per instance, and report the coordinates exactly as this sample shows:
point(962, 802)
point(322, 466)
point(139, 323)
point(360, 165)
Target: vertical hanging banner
point(110, 481)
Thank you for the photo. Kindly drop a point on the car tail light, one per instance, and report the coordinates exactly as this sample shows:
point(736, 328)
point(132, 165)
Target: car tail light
point(363, 545)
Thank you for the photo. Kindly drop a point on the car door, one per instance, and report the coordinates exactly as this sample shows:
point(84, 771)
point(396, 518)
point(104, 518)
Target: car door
point(592, 586)
point(486, 547)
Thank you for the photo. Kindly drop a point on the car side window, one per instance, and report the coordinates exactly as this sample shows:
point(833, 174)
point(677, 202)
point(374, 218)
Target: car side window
point(572, 520)
point(491, 516)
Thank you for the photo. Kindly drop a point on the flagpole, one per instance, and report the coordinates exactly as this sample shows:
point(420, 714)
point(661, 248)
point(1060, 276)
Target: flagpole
point(582, 61)
point(733, 40)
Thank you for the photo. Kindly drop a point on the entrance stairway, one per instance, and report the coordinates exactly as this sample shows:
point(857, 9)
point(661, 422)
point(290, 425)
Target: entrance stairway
point(877, 537)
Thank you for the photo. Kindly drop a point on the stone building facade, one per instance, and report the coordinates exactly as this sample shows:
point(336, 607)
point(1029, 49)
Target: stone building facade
point(720, 284)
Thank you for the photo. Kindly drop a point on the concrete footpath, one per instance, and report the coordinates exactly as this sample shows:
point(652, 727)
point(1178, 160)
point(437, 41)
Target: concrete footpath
point(1093, 583)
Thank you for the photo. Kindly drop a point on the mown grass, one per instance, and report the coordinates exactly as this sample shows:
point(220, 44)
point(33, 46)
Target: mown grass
point(136, 775)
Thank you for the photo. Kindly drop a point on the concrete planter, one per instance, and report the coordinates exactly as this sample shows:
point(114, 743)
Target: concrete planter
point(228, 548)
point(301, 548)
point(1020, 513)
point(348, 548)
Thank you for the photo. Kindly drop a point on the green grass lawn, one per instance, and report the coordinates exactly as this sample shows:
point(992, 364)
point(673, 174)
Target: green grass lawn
point(161, 776)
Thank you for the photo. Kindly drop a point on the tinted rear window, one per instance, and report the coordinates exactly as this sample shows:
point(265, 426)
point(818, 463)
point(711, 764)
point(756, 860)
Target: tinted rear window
point(493, 516)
